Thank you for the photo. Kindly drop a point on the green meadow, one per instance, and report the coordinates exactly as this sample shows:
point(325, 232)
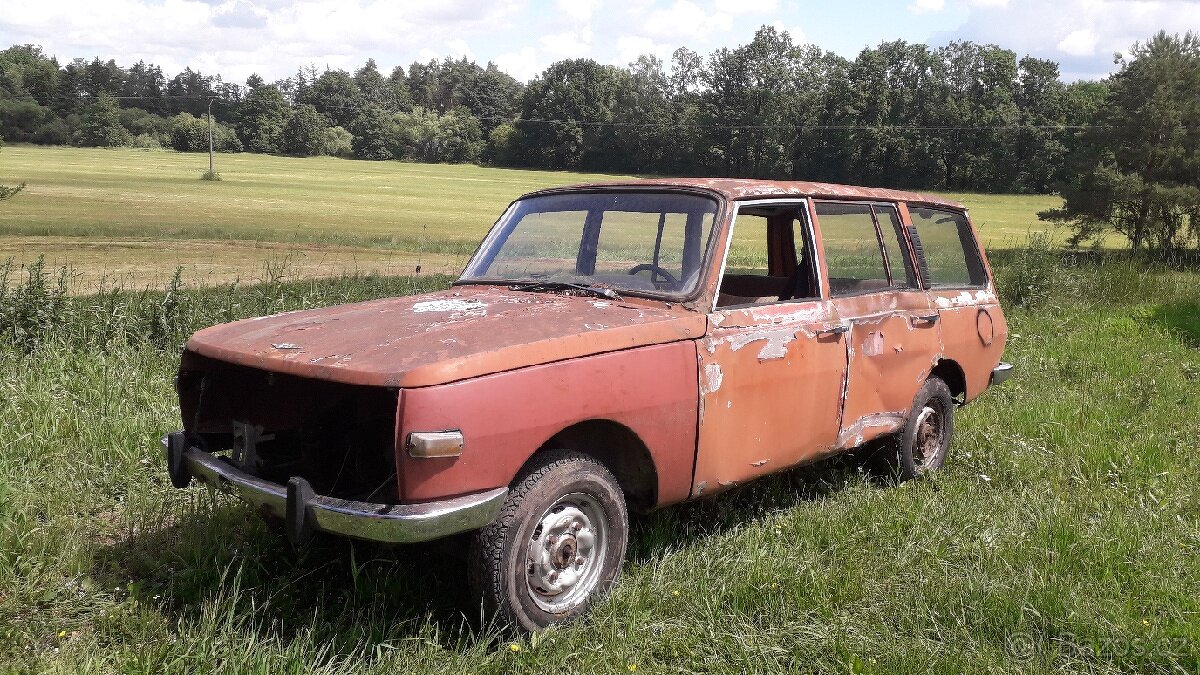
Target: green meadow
point(133, 216)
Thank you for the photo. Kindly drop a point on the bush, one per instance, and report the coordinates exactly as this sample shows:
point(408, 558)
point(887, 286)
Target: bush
point(55, 132)
point(503, 145)
point(374, 134)
point(190, 134)
point(304, 133)
point(142, 123)
point(102, 125)
point(20, 119)
point(338, 142)
point(146, 141)
point(1029, 278)
point(32, 309)
point(425, 136)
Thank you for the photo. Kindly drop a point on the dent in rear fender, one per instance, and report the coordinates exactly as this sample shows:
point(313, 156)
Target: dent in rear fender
point(506, 417)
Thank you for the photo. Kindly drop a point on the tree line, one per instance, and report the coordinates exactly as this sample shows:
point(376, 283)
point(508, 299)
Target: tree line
point(963, 116)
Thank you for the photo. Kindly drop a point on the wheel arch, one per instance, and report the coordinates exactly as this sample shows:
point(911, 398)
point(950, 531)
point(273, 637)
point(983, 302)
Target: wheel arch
point(948, 371)
point(620, 450)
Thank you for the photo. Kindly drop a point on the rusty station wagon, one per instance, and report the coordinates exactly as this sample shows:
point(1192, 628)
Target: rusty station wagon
point(608, 347)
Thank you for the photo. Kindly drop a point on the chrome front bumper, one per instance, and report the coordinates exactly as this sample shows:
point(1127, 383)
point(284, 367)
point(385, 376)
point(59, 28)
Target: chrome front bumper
point(305, 512)
point(1002, 372)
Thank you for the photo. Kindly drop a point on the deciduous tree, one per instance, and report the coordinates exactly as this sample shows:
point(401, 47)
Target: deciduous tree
point(1142, 171)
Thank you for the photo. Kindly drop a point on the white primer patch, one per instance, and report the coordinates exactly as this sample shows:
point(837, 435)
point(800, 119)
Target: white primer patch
point(449, 306)
point(966, 298)
point(776, 346)
point(873, 345)
point(770, 315)
point(713, 378)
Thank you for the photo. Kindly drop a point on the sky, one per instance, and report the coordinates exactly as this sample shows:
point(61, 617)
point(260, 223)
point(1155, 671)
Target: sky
point(236, 38)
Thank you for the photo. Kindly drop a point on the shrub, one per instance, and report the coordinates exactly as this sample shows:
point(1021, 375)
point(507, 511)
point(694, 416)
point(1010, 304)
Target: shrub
point(33, 309)
point(338, 142)
point(190, 134)
point(1028, 279)
point(304, 133)
point(146, 141)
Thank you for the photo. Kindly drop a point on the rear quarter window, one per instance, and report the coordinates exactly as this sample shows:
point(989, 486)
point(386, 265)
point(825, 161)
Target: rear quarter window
point(951, 253)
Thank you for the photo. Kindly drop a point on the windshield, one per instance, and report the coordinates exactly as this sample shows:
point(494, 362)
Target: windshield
point(636, 241)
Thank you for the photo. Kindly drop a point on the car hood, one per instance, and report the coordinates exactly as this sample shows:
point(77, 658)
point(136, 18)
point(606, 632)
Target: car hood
point(435, 338)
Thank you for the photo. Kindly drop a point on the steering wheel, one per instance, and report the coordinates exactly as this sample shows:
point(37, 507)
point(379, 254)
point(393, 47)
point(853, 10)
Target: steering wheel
point(655, 270)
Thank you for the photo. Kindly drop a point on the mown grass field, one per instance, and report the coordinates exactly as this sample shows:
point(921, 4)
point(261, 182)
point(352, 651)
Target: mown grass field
point(134, 215)
point(1063, 534)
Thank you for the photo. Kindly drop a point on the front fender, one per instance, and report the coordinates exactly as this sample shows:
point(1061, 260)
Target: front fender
point(506, 417)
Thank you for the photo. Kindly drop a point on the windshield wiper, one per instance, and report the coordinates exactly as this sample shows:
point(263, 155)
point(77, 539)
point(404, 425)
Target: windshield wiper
point(564, 286)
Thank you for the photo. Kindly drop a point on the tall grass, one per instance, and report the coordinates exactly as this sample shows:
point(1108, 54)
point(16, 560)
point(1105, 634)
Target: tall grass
point(1063, 534)
point(37, 308)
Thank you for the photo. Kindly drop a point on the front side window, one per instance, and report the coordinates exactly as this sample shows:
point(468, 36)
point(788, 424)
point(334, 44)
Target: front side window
point(637, 241)
point(863, 248)
point(770, 257)
point(951, 254)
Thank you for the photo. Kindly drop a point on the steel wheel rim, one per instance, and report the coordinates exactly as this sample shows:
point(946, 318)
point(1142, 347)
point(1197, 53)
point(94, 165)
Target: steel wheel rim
point(566, 553)
point(927, 441)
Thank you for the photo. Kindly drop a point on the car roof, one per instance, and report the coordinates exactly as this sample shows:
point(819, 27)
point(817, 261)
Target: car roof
point(745, 188)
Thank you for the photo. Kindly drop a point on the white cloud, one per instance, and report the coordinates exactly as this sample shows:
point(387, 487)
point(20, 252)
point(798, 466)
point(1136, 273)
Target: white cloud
point(1079, 43)
point(685, 21)
point(568, 45)
point(522, 64)
point(459, 48)
point(1081, 35)
point(579, 10)
point(796, 32)
point(745, 6)
point(630, 47)
point(238, 37)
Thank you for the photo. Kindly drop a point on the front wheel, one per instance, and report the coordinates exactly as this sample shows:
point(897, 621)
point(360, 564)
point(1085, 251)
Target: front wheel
point(557, 545)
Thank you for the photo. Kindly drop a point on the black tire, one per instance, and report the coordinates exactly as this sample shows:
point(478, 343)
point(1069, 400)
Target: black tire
point(921, 448)
point(559, 495)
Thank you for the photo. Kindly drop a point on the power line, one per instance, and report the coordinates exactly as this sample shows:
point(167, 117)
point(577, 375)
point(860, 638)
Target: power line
point(690, 125)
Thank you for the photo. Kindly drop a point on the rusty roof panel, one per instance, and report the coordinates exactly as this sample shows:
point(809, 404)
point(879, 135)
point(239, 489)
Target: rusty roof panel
point(744, 188)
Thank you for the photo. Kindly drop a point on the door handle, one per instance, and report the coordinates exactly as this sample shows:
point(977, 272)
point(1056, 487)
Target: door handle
point(927, 318)
point(835, 330)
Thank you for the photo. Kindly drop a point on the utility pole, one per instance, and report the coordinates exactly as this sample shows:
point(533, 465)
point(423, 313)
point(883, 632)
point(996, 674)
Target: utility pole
point(211, 172)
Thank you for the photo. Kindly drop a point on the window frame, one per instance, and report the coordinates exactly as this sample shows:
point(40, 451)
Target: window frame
point(976, 251)
point(803, 206)
point(910, 264)
point(485, 250)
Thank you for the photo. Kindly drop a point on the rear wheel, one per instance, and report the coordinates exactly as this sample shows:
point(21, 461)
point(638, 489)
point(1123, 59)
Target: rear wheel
point(557, 545)
point(921, 448)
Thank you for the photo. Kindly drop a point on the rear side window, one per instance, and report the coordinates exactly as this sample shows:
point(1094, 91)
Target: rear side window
point(951, 254)
point(862, 248)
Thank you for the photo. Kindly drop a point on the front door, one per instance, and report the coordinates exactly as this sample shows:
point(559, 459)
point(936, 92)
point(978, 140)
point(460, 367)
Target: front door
point(773, 363)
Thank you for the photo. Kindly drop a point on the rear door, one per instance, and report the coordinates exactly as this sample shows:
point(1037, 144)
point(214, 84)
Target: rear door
point(973, 326)
point(894, 331)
